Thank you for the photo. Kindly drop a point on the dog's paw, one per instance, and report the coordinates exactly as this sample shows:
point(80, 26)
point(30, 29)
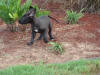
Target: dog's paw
point(29, 43)
point(51, 39)
point(39, 39)
point(46, 41)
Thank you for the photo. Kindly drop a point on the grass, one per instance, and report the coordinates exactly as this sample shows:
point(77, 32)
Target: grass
point(81, 67)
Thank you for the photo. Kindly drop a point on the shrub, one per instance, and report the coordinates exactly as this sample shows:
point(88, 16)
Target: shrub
point(40, 12)
point(57, 47)
point(73, 17)
point(12, 10)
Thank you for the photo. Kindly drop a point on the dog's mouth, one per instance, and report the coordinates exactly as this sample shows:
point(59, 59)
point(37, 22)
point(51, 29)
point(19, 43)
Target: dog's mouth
point(20, 22)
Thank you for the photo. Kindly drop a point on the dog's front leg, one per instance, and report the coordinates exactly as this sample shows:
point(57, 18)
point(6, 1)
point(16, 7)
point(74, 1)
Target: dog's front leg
point(32, 38)
point(41, 35)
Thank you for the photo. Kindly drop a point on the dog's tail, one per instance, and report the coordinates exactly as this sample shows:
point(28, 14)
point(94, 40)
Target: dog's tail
point(53, 18)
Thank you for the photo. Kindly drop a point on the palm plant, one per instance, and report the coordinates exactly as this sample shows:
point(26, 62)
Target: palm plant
point(12, 10)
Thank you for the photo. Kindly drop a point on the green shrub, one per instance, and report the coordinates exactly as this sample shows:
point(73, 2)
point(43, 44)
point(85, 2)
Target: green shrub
point(73, 17)
point(57, 47)
point(40, 12)
point(12, 10)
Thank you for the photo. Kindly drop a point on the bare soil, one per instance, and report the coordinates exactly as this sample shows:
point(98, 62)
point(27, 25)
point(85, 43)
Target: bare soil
point(79, 41)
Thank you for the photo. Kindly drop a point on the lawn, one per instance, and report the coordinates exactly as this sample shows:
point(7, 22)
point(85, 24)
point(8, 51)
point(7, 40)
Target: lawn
point(80, 67)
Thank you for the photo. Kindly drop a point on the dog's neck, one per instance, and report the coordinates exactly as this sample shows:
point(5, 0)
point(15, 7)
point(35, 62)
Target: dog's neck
point(33, 20)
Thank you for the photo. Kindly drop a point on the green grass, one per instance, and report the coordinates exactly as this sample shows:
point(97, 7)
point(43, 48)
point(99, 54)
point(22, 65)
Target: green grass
point(81, 67)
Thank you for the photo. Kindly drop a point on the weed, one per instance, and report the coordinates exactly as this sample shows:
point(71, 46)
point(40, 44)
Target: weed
point(57, 47)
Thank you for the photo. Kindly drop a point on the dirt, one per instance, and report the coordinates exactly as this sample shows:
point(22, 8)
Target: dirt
point(79, 41)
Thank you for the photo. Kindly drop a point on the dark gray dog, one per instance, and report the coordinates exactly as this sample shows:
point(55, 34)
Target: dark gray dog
point(40, 25)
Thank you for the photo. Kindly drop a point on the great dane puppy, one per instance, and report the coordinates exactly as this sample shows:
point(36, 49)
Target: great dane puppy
point(40, 25)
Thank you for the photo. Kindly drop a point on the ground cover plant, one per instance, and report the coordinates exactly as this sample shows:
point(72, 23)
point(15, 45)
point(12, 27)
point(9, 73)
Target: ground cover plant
point(80, 67)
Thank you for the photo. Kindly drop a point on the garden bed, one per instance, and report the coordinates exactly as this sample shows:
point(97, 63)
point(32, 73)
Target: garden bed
point(79, 41)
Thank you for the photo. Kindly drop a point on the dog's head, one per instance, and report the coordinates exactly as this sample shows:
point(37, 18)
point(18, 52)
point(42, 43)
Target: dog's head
point(28, 16)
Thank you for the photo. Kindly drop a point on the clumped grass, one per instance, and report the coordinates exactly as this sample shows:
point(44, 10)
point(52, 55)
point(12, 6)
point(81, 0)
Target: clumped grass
point(73, 16)
point(81, 67)
point(57, 47)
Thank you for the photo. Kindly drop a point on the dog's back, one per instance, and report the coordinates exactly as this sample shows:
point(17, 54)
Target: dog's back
point(44, 18)
point(44, 21)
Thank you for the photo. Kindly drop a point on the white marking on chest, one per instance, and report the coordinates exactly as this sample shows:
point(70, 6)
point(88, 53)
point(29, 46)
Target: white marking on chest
point(36, 30)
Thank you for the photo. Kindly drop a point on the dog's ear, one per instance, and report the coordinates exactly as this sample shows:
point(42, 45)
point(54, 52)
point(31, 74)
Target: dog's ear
point(33, 12)
point(30, 7)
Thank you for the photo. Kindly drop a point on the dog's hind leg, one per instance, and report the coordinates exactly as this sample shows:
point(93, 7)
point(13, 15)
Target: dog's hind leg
point(50, 32)
point(45, 36)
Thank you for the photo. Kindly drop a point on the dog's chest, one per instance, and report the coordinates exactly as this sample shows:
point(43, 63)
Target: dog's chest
point(36, 30)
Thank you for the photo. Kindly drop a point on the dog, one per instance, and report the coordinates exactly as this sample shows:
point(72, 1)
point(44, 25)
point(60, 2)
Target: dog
point(40, 25)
